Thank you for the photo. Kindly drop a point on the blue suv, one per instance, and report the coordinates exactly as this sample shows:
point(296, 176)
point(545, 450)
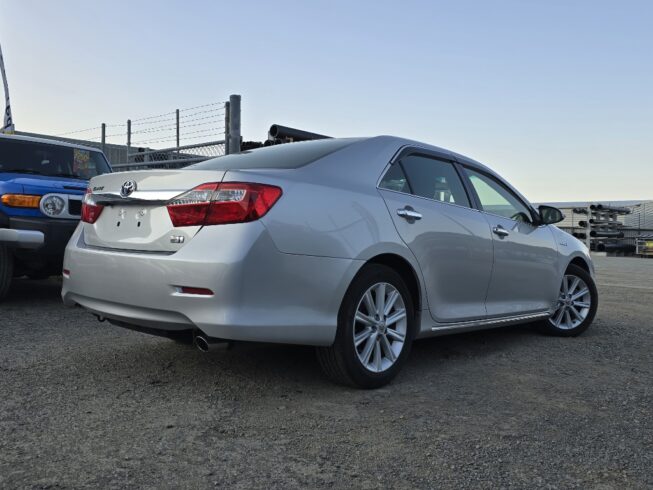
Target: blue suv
point(42, 184)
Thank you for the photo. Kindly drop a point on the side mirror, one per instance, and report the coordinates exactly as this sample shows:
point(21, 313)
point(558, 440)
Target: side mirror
point(550, 215)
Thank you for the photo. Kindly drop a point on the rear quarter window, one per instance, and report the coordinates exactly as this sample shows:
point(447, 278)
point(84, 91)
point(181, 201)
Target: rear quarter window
point(286, 156)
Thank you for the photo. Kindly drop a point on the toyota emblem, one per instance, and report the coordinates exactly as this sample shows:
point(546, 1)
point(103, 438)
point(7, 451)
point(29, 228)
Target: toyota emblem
point(128, 188)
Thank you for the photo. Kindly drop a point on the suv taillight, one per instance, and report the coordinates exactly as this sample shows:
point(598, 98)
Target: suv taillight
point(90, 210)
point(222, 203)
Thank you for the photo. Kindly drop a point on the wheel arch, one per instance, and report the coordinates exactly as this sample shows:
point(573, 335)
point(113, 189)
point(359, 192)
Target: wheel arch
point(406, 271)
point(580, 262)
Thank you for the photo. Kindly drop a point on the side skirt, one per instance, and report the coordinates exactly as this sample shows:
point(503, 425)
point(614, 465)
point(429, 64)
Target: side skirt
point(450, 328)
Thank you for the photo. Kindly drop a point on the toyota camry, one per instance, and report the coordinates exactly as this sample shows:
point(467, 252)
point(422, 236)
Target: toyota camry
point(356, 246)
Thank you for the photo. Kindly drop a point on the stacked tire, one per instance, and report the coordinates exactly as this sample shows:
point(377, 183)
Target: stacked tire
point(6, 270)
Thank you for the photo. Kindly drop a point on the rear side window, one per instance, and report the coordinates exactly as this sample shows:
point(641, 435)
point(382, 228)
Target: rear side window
point(427, 177)
point(289, 155)
point(53, 160)
point(395, 179)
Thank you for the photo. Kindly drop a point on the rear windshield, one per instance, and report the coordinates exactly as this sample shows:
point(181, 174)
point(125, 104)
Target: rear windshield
point(289, 155)
point(43, 159)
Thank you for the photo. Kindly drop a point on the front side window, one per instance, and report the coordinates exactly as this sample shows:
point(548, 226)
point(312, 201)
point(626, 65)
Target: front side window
point(52, 160)
point(497, 199)
point(433, 179)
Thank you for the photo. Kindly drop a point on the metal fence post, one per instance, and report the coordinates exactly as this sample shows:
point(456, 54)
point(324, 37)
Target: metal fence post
point(104, 136)
point(226, 127)
point(234, 124)
point(177, 116)
point(129, 139)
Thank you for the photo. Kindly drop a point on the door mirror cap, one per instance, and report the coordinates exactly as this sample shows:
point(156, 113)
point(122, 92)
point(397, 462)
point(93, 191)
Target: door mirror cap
point(550, 215)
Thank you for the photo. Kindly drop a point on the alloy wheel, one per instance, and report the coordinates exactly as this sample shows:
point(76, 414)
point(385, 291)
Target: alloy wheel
point(574, 303)
point(380, 326)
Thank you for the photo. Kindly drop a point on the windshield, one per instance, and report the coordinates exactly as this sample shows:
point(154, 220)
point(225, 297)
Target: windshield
point(52, 160)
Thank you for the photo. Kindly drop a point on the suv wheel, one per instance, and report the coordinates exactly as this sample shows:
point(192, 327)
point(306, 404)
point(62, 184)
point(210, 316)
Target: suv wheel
point(375, 330)
point(6, 270)
point(577, 304)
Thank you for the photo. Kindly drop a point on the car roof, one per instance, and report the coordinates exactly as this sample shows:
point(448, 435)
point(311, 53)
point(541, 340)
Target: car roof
point(47, 141)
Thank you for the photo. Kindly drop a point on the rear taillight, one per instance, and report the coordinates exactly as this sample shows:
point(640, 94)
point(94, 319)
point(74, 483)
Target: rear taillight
point(90, 210)
point(219, 204)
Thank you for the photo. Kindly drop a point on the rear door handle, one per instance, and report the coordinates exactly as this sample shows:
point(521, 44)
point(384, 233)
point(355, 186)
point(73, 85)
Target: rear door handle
point(409, 213)
point(500, 231)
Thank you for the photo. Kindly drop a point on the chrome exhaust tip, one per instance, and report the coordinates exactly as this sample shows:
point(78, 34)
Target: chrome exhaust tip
point(205, 343)
point(201, 343)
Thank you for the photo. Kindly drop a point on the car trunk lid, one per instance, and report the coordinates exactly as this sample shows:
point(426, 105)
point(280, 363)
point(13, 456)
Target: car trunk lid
point(134, 214)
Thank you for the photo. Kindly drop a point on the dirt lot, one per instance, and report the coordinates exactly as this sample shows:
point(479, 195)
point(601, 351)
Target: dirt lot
point(83, 403)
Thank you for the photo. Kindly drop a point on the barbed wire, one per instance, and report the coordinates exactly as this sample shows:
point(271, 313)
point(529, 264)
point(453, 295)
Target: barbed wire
point(171, 126)
point(96, 128)
point(205, 120)
point(204, 105)
point(152, 119)
point(201, 132)
point(221, 110)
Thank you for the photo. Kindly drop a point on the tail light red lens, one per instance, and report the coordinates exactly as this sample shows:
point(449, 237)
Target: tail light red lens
point(223, 203)
point(195, 291)
point(90, 211)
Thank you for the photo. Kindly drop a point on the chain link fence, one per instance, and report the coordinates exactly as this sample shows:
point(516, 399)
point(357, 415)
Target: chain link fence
point(172, 157)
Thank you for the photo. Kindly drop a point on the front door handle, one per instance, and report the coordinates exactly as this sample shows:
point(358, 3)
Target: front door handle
point(500, 231)
point(409, 213)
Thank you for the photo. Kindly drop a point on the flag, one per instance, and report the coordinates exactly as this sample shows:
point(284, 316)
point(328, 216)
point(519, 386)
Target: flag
point(8, 125)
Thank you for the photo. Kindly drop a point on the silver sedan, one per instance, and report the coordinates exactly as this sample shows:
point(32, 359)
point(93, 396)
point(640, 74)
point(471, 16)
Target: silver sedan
point(355, 246)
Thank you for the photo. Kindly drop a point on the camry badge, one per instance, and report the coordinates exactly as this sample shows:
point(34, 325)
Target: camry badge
point(128, 188)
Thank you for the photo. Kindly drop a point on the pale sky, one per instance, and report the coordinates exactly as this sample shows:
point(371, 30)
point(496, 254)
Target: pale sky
point(556, 95)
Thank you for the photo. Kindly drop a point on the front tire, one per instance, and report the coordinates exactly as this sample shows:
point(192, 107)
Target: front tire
point(376, 327)
point(578, 301)
point(6, 270)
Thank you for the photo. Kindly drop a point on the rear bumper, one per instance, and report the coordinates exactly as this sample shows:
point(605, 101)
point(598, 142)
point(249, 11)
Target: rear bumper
point(260, 294)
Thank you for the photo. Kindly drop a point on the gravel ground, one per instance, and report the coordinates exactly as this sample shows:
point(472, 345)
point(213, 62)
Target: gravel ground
point(86, 404)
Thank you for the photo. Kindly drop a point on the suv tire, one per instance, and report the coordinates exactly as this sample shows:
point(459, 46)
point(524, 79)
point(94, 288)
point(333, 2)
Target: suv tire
point(6, 270)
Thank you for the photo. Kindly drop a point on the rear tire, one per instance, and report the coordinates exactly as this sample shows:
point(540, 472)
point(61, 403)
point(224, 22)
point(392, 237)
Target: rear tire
point(577, 305)
point(376, 327)
point(6, 270)
point(38, 276)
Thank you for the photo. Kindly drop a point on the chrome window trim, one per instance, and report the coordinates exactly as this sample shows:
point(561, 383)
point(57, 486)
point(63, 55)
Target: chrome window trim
point(509, 219)
point(428, 199)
